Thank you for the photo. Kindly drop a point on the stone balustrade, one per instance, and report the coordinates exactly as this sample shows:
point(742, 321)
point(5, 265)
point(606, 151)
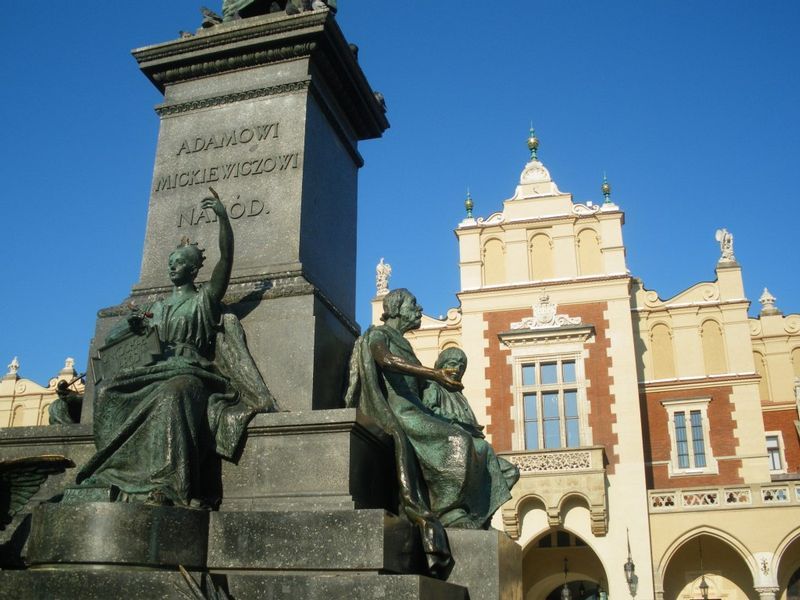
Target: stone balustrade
point(724, 497)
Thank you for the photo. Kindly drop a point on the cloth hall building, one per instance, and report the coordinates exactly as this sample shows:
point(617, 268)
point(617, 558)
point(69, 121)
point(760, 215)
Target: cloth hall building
point(657, 434)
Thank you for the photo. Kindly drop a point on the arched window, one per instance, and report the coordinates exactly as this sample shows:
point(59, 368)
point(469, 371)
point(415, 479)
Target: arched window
point(713, 348)
point(663, 356)
point(796, 361)
point(761, 369)
point(540, 257)
point(494, 263)
point(589, 258)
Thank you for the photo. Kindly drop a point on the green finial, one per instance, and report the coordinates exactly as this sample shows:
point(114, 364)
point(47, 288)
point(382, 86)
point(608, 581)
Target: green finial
point(468, 204)
point(606, 187)
point(533, 144)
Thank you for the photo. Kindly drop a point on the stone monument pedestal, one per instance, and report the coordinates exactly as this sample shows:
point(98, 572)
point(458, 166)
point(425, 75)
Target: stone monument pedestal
point(308, 512)
point(488, 563)
point(268, 111)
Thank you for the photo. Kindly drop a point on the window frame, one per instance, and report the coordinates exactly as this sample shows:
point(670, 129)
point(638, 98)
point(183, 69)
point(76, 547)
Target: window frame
point(687, 406)
point(778, 435)
point(578, 385)
point(540, 390)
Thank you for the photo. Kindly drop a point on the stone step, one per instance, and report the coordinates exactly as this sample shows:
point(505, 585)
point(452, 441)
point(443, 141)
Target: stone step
point(354, 540)
point(169, 585)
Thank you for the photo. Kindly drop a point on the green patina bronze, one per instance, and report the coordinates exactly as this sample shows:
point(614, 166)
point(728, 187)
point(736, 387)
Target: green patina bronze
point(66, 408)
point(242, 9)
point(178, 386)
point(448, 474)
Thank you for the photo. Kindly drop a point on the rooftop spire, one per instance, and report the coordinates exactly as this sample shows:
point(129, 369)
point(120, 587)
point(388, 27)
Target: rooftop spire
point(469, 204)
point(606, 188)
point(533, 143)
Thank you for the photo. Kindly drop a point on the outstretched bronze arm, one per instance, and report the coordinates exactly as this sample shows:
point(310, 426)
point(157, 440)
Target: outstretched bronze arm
point(221, 275)
point(392, 362)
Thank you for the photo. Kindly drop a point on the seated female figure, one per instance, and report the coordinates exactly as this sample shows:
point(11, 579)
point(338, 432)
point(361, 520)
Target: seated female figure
point(156, 425)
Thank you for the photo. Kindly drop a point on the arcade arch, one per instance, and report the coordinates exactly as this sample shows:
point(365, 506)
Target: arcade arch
point(727, 565)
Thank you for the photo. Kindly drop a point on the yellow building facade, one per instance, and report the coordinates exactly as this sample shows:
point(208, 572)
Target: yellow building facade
point(658, 433)
point(25, 403)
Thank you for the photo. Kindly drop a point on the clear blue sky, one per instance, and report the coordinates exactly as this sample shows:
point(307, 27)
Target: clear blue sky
point(690, 107)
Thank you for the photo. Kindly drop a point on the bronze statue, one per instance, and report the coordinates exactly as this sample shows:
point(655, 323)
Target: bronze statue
point(178, 385)
point(21, 478)
point(448, 474)
point(242, 9)
point(66, 408)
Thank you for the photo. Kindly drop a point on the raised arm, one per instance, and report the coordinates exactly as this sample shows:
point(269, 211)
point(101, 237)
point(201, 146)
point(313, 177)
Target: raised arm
point(392, 362)
point(221, 275)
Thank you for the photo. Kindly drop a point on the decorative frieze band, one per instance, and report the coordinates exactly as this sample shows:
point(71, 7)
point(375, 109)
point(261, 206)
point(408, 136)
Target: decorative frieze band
point(231, 63)
point(183, 107)
point(555, 462)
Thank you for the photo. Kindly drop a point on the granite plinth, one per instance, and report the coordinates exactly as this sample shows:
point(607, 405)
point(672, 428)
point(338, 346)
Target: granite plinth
point(116, 533)
point(73, 441)
point(488, 563)
point(312, 460)
point(298, 461)
point(169, 585)
point(350, 586)
point(99, 584)
point(351, 540)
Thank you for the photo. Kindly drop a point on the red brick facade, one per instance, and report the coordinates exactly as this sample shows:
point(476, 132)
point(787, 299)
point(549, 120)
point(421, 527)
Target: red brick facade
point(597, 367)
point(658, 444)
point(500, 377)
point(783, 421)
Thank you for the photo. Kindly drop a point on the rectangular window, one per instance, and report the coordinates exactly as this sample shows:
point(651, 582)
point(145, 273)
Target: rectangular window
point(689, 429)
point(550, 404)
point(774, 453)
point(698, 446)
point(690, 456)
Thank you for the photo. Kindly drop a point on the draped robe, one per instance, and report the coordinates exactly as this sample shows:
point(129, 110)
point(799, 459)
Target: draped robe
point(446, 477)
point(156, 425)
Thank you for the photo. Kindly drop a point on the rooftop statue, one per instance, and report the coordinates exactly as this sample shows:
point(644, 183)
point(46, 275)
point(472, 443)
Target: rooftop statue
point(178, 384)
point(241, 9)
point(448, 474)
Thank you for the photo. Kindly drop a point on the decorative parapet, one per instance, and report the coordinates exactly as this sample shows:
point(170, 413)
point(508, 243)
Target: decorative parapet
point(721, 498)
point(553, 461)
point(553, 476)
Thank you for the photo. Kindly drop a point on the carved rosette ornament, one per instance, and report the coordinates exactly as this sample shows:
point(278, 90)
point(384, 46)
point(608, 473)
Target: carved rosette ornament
point(545, 315)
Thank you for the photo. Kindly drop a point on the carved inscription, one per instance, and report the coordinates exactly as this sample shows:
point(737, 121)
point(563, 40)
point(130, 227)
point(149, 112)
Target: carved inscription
point(224, 172)
point(192, 216)
point(206, 144)
point(216, 141)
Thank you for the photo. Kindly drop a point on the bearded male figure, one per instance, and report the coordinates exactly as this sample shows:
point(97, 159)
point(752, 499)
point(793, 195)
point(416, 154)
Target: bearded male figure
point(446, 473)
